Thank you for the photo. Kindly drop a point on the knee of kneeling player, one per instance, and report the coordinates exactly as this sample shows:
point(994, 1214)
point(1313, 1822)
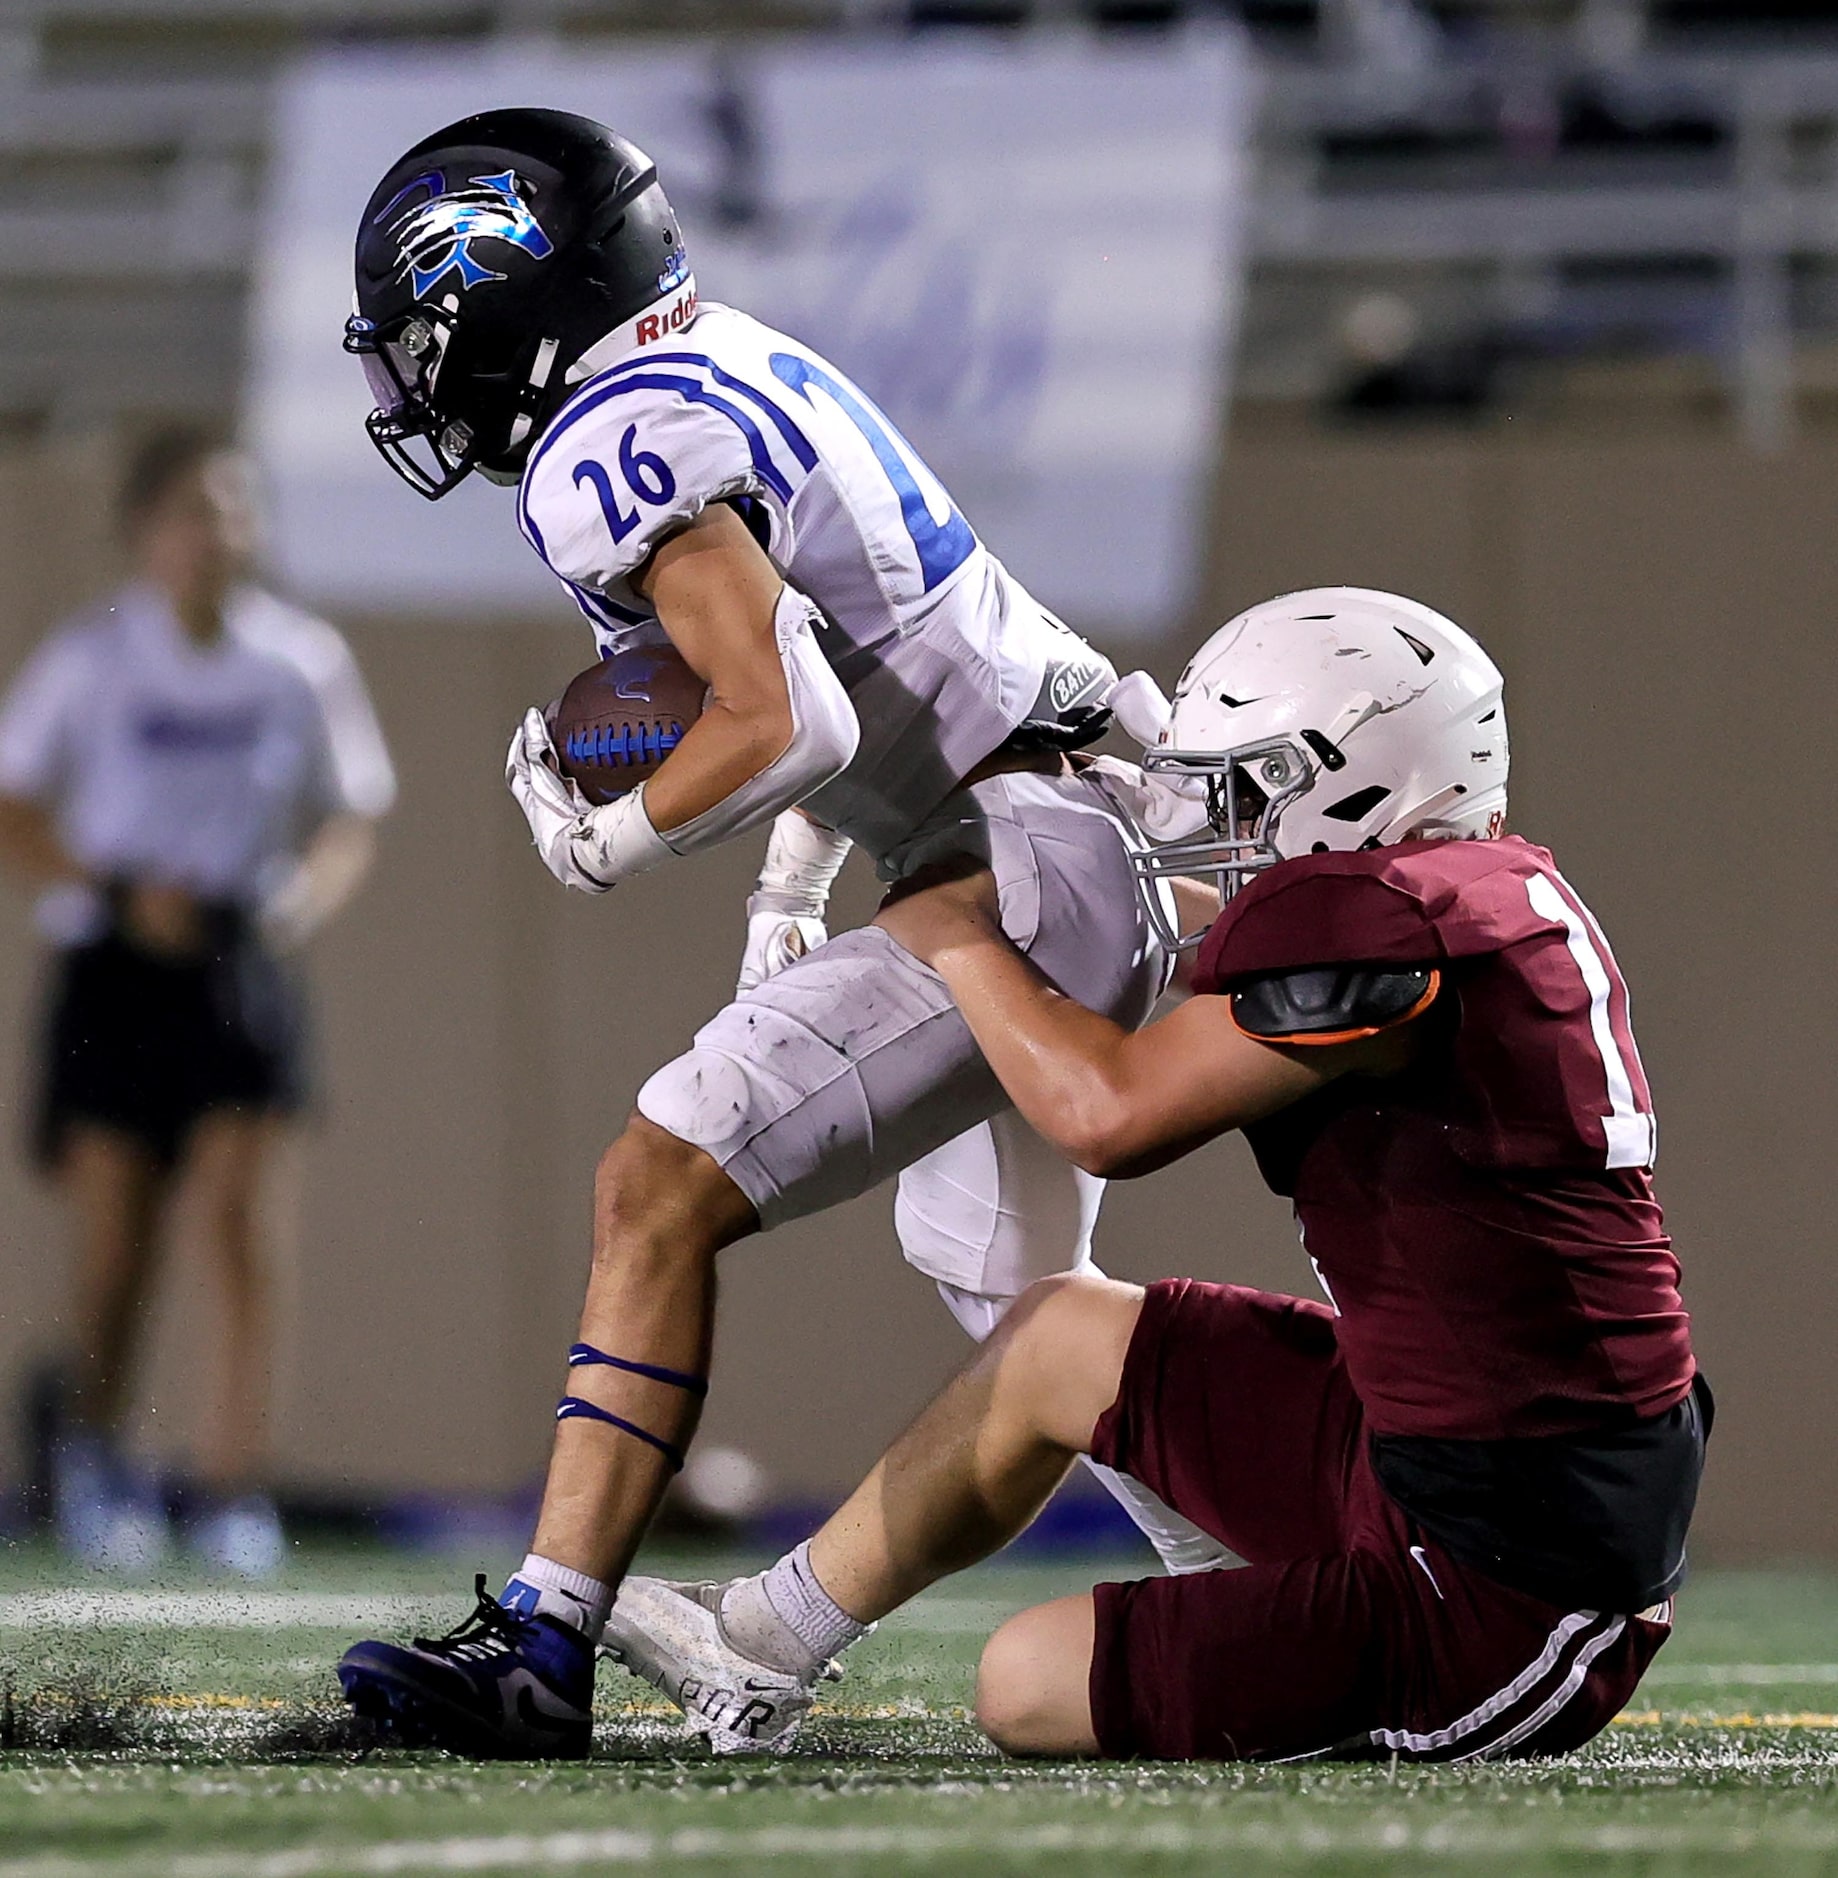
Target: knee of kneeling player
point(1032, 1685)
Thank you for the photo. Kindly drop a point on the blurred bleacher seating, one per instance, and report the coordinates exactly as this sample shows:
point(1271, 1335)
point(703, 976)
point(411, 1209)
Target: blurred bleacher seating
point(1546, 183)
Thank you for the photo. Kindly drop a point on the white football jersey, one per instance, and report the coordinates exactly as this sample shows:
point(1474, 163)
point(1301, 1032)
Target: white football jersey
point(942, 653)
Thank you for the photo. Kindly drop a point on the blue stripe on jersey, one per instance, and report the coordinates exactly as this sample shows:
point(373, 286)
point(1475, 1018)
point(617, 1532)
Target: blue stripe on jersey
point(693, 392)
point(800, 445)
point(601, 610)
point(584, 598)
point(531, 533)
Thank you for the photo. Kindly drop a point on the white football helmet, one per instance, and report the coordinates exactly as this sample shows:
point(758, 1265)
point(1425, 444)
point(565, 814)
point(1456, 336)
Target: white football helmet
point(1336, 718)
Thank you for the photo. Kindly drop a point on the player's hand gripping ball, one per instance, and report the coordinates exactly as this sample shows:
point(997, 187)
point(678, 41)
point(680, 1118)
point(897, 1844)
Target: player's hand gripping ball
point(619, 719)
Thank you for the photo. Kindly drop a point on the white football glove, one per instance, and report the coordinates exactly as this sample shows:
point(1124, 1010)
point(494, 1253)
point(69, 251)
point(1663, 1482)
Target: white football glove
point(785, 911)
point(1163, 808)
point(775, 940)
point(589, 848)
point(1141, 707)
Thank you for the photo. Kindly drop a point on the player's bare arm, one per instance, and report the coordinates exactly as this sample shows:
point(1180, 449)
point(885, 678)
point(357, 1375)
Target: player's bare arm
point(29, 844)
point(1118, 1103)
point(716, 594)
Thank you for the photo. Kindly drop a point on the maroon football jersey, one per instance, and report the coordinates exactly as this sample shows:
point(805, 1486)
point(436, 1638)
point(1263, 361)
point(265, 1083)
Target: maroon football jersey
point(1485, 1222)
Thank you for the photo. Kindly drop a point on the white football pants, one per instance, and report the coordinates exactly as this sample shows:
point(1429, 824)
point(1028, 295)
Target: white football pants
point(853, 1065)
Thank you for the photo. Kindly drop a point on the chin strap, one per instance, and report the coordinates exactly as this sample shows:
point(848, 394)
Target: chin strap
point(578, 1408)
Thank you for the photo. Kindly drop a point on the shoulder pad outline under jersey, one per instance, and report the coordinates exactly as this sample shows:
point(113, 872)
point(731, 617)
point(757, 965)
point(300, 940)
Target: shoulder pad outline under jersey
point(1333, 1004)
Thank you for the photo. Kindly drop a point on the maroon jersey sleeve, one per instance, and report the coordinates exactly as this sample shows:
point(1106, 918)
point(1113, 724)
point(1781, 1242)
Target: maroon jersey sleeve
point(1543, 1069)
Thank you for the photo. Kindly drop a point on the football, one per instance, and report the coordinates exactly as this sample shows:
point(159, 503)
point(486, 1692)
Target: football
point(618, 720)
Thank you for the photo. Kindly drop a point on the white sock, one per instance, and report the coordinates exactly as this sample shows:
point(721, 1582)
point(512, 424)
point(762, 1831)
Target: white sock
point(755, 1629)
point(785, 1617)
point(543, 1588)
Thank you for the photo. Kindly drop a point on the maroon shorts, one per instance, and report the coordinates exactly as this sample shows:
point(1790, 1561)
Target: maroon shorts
point(1349, 1631)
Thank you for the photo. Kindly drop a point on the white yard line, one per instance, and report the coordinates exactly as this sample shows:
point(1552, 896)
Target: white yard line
point(340, 1610)
point(216, 1610)
point(812, 1845)
point(1741, 1675)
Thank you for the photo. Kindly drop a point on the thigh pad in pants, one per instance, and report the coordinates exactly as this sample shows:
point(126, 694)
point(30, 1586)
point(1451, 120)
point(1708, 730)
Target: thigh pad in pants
point(853, 1063)
point(996, 1208)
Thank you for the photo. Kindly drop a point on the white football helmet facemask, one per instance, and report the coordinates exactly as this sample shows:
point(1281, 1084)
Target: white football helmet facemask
point(1335, 718)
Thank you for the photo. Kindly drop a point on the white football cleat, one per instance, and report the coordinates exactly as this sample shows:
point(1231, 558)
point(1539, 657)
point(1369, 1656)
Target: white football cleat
point(671, 1636)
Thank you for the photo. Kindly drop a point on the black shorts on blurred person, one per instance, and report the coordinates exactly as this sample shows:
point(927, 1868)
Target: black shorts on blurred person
point(147, 1043)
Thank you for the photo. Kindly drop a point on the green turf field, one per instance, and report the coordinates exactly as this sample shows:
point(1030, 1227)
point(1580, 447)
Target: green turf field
point(196, 1733)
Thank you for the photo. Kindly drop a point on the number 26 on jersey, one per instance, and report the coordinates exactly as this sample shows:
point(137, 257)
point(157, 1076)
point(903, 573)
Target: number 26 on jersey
point(645, 474)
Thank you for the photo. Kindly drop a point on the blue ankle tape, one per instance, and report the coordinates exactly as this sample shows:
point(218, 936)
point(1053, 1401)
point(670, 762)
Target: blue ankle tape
point(583, 1353)
point(575, 1408)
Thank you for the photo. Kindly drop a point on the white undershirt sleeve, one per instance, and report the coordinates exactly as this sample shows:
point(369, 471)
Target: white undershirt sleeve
point(824, 734)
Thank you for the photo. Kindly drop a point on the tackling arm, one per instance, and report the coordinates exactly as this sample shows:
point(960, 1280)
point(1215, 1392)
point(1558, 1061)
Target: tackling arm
point(1115, 1102)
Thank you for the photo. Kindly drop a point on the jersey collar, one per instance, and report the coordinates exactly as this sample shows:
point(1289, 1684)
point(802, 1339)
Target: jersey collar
point(662, 320)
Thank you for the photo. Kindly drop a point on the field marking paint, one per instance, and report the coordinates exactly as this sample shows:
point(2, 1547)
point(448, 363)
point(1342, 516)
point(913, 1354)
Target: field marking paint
point(808, 1845)
point(213, 1610)
point(341, 1610)
point(1742, 1675)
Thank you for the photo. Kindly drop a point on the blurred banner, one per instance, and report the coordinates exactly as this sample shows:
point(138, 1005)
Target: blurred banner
point(1030, 253)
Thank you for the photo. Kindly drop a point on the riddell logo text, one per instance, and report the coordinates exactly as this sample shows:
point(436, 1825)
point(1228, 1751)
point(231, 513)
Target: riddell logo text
point(656, 326)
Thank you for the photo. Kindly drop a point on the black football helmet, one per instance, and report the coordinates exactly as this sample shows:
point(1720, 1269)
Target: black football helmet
point(490, 259)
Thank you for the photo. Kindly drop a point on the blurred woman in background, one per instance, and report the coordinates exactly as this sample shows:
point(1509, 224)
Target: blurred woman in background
point(189, 777)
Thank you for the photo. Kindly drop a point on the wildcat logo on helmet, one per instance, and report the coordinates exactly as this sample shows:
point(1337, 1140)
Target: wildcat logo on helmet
point(676, 271)
point(437, 233)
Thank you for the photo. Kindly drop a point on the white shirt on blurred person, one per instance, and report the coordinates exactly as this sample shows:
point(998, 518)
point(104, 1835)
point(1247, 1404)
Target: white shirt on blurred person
point(205, 767)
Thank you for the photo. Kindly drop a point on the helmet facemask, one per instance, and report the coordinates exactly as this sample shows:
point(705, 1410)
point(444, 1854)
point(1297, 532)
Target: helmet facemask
point(1247, 791)
point(429, 452)
point(433, 452)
